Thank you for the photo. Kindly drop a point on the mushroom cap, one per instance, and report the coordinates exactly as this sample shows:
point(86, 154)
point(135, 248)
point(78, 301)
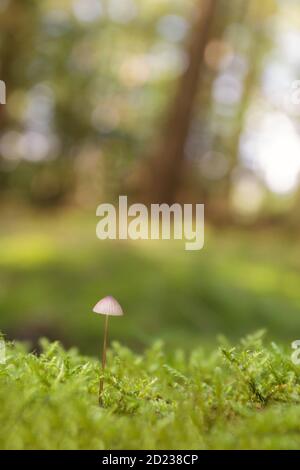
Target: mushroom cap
point(108, 306)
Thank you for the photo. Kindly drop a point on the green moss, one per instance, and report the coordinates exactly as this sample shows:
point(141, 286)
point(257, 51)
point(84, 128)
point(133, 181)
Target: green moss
point(242, 397)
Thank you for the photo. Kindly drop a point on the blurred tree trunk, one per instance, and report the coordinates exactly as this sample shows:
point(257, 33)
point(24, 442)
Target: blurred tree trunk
point(250, 18)
point(164, 174)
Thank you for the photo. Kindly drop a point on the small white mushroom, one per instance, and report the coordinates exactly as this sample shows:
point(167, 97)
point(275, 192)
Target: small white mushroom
point(106, 306)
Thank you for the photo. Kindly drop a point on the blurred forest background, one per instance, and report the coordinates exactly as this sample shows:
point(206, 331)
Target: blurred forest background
point(163, 100)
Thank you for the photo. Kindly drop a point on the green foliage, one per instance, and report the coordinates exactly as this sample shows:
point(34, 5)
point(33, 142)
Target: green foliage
point(91, 95)
point(242, 397)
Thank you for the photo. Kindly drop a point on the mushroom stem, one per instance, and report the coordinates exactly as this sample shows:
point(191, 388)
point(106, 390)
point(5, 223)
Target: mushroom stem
point(101, 385)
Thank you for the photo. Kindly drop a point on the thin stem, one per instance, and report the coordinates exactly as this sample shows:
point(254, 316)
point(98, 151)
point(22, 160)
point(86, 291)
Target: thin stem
point(101, 385)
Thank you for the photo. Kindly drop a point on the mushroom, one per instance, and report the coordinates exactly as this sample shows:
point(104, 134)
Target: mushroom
point(106, 306)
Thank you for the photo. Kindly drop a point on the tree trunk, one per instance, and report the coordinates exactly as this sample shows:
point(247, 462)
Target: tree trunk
point(167, 164)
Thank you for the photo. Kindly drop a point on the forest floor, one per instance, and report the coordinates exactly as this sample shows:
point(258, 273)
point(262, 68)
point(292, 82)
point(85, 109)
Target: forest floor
point(53, 270)
point(243, 397)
